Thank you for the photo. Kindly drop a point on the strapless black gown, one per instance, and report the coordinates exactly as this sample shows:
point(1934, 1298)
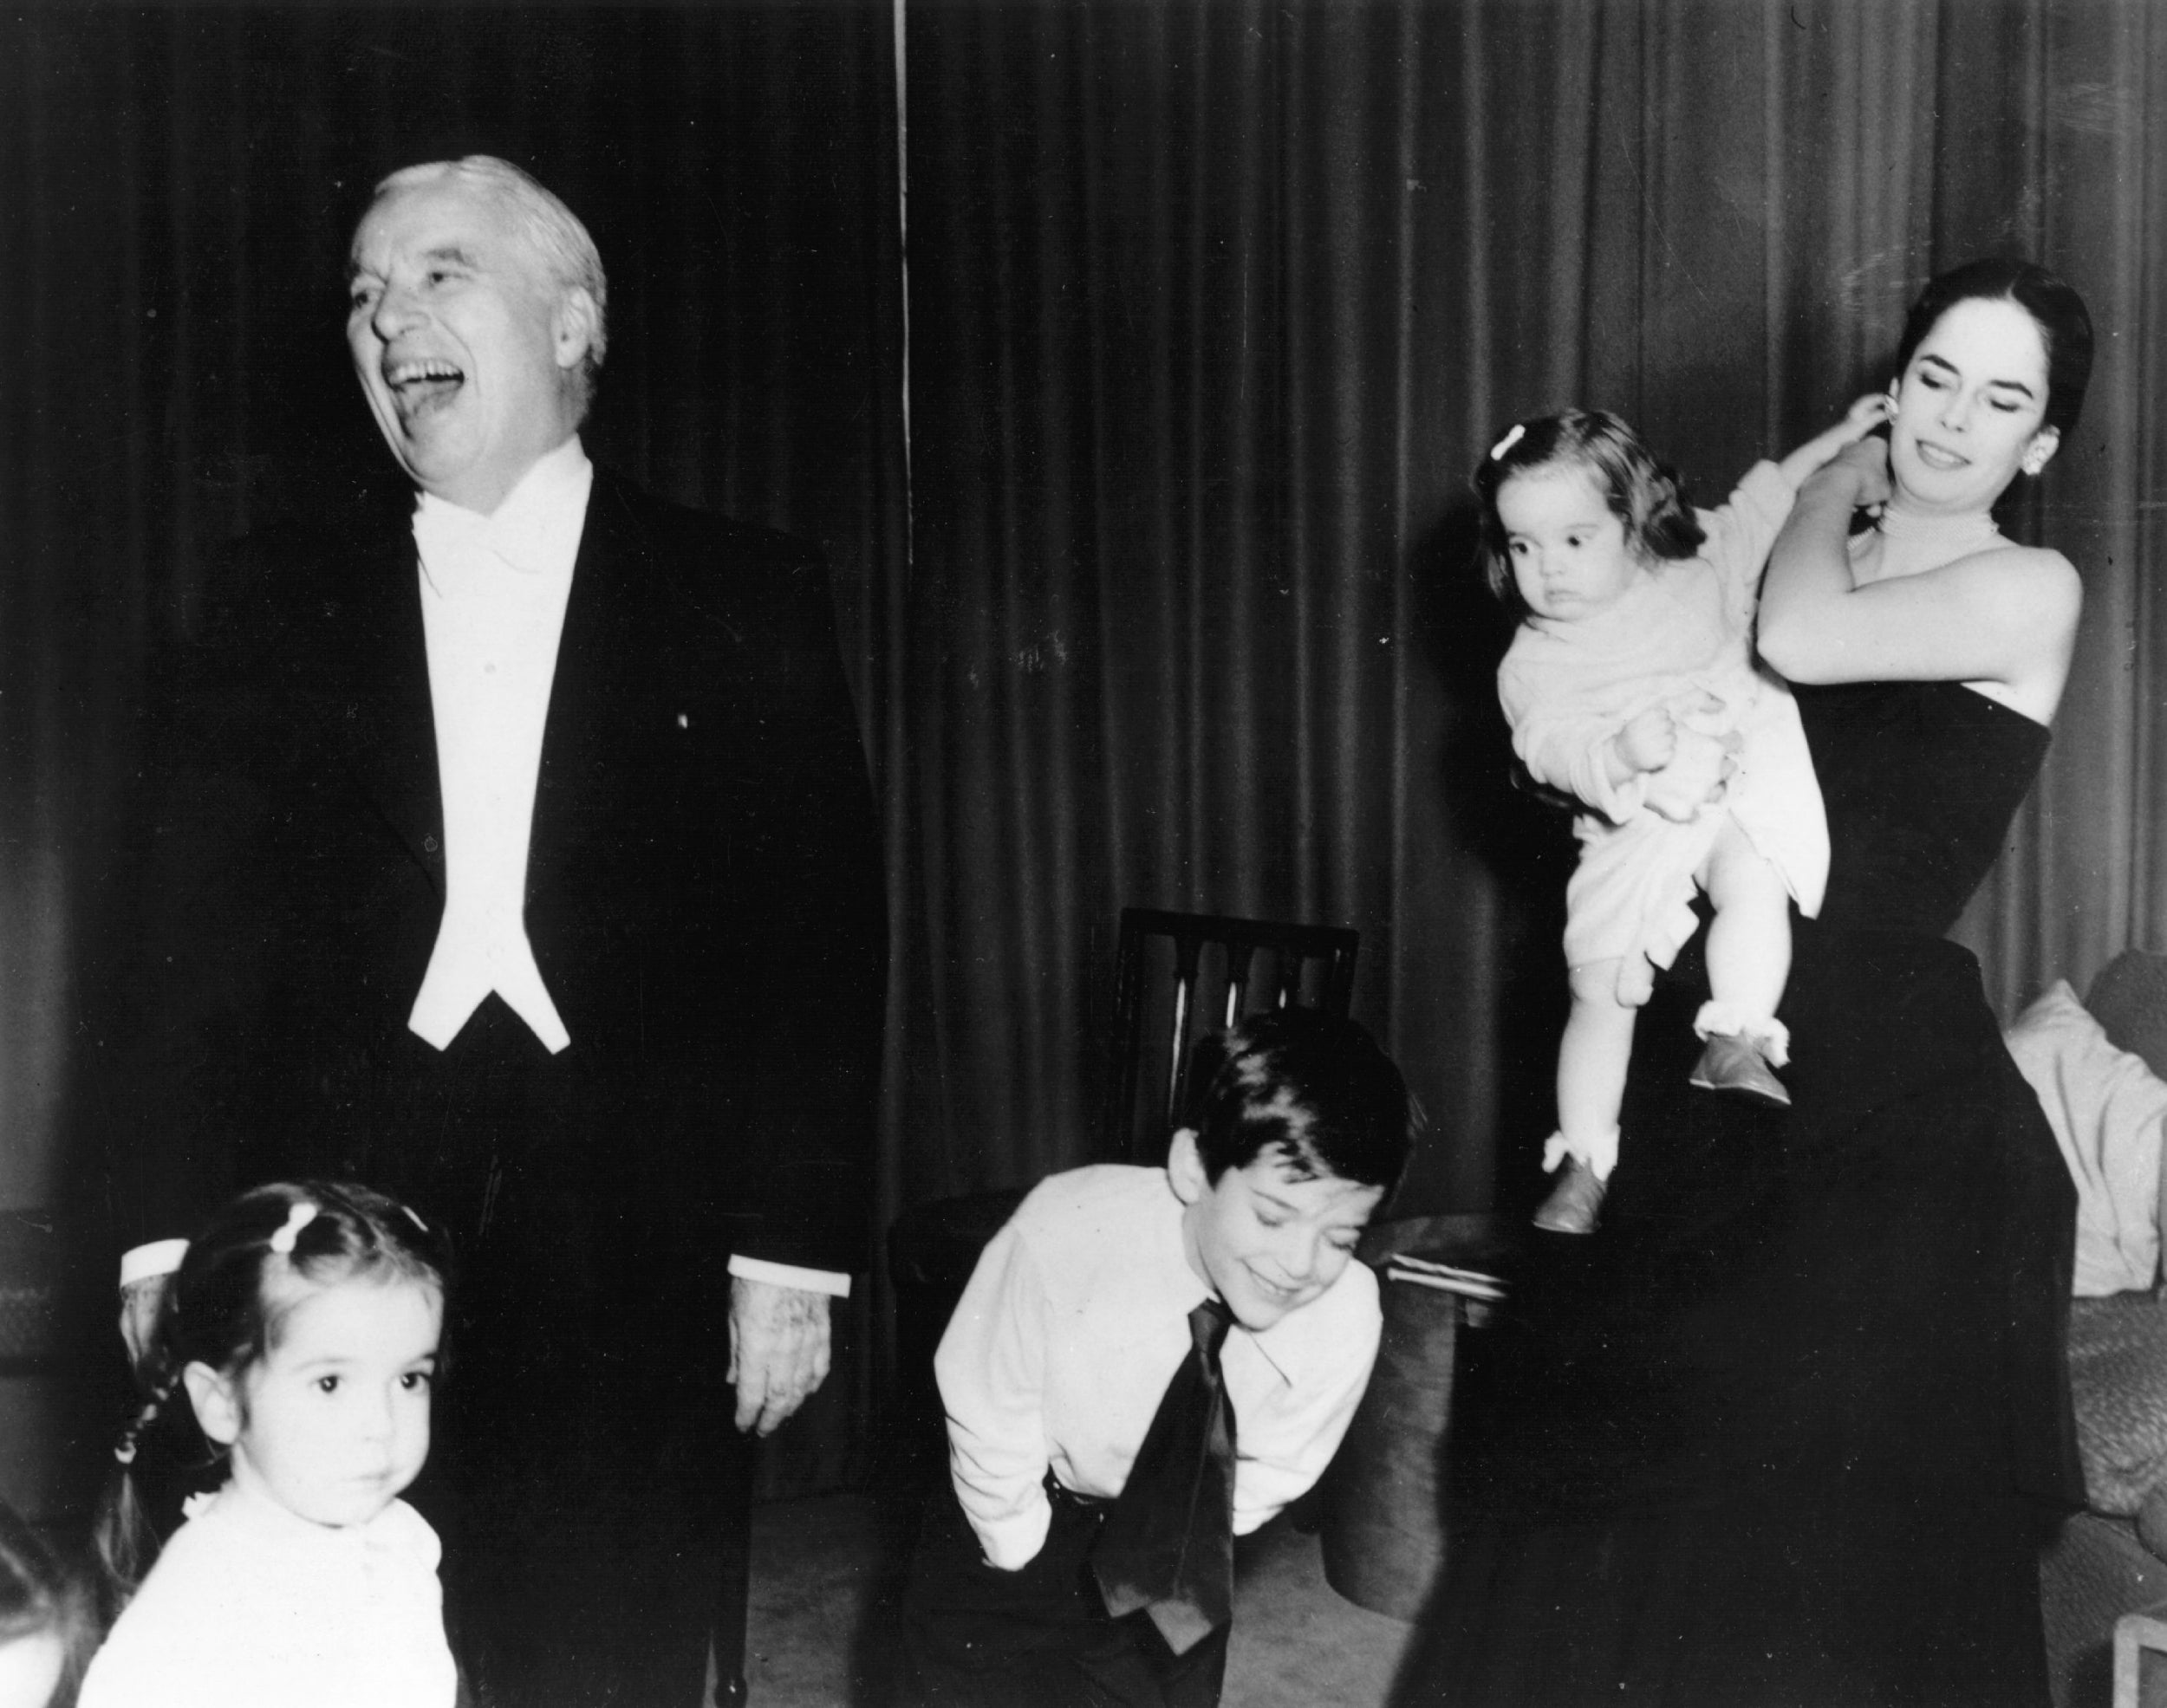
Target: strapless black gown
point(1788, 1431)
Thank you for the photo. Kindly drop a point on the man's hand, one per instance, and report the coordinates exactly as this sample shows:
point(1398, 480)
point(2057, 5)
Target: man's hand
point(141, 1302)
point(778, 1350)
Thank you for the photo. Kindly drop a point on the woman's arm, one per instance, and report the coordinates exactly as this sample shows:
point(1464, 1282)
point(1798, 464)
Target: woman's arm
point(2005, 616)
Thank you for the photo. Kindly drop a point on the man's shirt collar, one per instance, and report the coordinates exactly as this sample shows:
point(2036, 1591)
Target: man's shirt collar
point(529, 529)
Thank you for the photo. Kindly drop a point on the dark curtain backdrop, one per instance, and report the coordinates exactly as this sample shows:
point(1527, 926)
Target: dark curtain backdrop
point(1212, 307)
point(177, 189)
point(1215, 305)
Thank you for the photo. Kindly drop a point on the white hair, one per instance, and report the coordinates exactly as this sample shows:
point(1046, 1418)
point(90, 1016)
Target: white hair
point(552, 230)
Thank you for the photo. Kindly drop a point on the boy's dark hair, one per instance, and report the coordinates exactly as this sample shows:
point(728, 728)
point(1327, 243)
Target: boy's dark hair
point(224, 1307)
point(2065, 325)
point(1311, 1086)
point(1641, 491)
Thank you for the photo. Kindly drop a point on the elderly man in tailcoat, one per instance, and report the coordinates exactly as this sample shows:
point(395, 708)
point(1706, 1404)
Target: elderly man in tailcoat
point(510, 848)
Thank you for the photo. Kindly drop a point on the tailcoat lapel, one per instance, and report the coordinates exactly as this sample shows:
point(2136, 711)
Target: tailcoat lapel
point(388, 716)
point(590, 799)
point(582, 791)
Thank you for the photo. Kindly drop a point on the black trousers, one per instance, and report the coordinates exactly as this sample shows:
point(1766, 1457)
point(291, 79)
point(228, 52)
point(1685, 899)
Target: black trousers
point(587, 1477)
point(977, 1637)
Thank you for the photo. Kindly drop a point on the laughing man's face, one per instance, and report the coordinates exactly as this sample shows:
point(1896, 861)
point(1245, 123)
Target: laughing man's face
point(465, 345)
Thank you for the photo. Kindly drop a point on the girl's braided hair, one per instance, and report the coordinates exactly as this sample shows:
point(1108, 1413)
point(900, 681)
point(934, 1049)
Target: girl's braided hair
point(268, 1250)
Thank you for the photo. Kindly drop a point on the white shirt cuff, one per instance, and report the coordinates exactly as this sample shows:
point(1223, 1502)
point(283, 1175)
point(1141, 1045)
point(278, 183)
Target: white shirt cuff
point(789, 1274)
point(161, 1257)
point(1014, 1542)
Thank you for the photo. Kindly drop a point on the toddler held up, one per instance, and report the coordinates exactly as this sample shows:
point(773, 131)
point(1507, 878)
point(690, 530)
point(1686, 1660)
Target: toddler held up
point(1630, 685)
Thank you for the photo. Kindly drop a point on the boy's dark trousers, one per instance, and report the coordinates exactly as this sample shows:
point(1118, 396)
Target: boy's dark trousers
point(977, 1637)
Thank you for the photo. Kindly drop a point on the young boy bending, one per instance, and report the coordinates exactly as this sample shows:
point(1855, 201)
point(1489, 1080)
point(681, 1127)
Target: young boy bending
point(1077, 1322)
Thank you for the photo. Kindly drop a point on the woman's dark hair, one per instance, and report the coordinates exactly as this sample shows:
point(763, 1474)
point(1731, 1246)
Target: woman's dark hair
point(268, 1251)
point(1313, 1087)
point(2065, 327)
point(1640, 489)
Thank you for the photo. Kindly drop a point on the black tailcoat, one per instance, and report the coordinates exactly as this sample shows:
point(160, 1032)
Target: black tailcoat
point(705, 901)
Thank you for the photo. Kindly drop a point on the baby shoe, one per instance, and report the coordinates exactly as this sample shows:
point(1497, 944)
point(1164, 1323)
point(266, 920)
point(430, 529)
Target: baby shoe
point(1737, 1062)
point(1575, 1203)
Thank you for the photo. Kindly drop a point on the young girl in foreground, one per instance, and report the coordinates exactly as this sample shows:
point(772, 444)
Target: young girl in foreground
point(303, 1326)
point(1630, 686)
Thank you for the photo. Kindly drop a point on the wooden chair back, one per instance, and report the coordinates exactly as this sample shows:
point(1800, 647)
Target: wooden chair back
point(1178, 975)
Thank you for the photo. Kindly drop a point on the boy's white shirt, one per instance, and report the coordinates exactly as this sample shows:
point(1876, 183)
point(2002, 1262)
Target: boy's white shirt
point(1070, 1328)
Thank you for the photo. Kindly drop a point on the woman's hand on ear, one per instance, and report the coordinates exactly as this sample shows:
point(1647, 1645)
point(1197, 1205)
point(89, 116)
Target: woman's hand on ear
point(1868, 413)
point(1861, 468)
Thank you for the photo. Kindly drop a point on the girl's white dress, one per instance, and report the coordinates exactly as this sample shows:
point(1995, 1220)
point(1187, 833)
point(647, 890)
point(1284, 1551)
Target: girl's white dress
point(1680, 638)
point(251, 1606)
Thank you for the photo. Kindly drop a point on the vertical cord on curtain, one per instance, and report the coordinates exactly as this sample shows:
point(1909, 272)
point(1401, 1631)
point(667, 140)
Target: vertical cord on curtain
point(172, 368)
point(1144, 478)
point(1301, 336)
point(2088, 879)
point(1259, 669)
point(901, 38)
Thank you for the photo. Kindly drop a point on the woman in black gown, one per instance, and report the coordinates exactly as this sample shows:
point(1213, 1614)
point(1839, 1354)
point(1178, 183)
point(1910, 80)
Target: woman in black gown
point(1788, 1432)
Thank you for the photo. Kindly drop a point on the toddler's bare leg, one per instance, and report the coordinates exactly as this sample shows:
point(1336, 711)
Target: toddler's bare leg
point(1591, 1062)
point(1748, 961)
point(1749, 941)
point(1592, 1059)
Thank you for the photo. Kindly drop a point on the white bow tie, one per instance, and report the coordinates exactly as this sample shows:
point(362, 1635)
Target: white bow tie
point(454, 541)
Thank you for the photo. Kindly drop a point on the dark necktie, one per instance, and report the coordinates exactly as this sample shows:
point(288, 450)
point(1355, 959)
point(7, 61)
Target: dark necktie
point(1169, 1543)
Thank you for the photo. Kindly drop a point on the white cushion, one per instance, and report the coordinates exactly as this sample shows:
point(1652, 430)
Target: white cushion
point(2106, 1108)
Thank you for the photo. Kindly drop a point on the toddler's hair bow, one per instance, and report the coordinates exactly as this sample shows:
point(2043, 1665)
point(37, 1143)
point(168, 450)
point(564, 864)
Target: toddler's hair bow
point(297, 1218)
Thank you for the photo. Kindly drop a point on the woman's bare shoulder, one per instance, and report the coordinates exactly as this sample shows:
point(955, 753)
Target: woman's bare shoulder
point(2035, 596)
point(2034, 580)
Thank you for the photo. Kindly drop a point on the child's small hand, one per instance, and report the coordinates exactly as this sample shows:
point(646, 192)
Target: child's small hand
point(1649, 742)
point(1696, 777)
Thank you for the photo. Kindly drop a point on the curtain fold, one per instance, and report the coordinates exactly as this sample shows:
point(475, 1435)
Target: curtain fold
point(1174, 447)
point(2084, 876)
point(1214, 305)
point(179, 186)
point(1217, 305)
